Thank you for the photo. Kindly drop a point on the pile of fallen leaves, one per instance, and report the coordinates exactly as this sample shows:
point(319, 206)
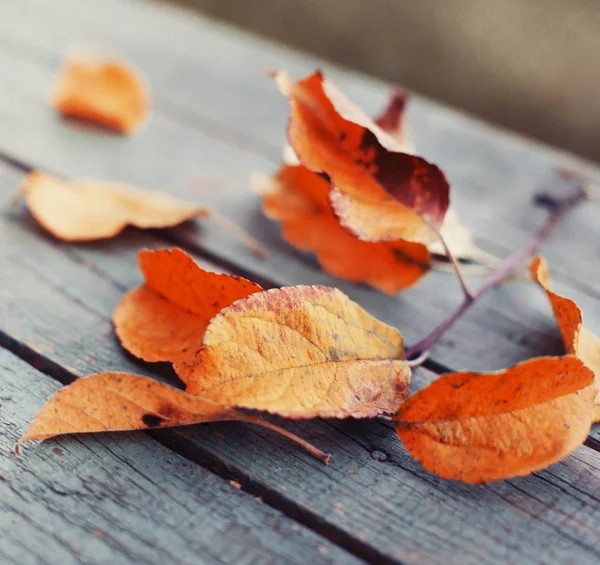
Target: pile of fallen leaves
point(352, 191)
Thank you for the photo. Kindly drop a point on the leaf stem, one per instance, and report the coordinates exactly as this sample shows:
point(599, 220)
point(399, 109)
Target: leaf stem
point(238, 232)
point(455, 264)
point(418, 361)
point(315, 452)
point(504, 269)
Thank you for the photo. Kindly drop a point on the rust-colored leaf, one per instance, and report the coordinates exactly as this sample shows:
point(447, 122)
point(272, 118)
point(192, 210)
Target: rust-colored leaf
point(576, 338)
point(299, 199)
point(378, 191)
point(300, 352)
point(106, 92)
point(476, 428)
point(165, 318)
point(391, 120)
point(86, 210)
point(114, 401)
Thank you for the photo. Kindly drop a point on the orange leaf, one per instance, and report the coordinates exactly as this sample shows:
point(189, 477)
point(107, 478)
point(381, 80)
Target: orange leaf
point(86, 210)
point(113, 401)
point(165, 318)
point(378, 191)
point(475, 427)
point(106, 92)
point(300, 352)
point(576, 338)
point(298, 198)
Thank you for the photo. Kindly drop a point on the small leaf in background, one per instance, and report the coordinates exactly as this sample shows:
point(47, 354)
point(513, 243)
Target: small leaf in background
point(576, 338)
point(475, 427)
point(106, 92)
point(113, 401)
point(391, 120)
point(300, 352)
point(378, 191)
point(87, 210)
point(165, 318)
point(299, 199)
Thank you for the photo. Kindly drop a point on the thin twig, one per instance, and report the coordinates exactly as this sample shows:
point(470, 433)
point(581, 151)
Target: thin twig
point(457, 268)
point(315, 452)
point(242, 235)
point(412, 363)
point(503, 271)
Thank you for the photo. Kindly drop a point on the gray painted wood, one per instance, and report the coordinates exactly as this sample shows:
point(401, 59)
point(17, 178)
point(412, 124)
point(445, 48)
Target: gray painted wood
point(373, 492)
point(124, 498)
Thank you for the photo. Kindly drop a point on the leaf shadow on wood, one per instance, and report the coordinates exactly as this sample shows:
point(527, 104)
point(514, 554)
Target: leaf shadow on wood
point(89, 128)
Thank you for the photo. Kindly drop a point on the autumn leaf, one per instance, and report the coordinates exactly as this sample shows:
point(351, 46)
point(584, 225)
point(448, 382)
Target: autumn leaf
point(299, 199)
point(114, 401)
point(391, 120)
point(476, 428)
point(165, 318)
point(378, 191)
point(300, 352)
point(577, 339)
point(86, 210)
point(106, 92)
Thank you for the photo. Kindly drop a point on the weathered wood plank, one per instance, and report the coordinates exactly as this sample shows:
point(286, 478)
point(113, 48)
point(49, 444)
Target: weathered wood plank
point(491, 336)
point(372, 492)
point(126, 499)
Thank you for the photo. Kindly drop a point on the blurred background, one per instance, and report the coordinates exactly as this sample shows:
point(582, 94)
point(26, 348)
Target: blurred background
point(529, 65)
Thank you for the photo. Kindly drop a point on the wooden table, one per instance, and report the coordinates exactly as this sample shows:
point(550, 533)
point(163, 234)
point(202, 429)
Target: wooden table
point(173, 497)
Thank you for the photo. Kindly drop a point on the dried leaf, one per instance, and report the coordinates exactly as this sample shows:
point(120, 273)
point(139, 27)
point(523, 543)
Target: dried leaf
point(378, 191)
point(86, 210)
point(113, 401)
point(576, 338)
point(299, 199)
point(165, 318)
point(300, 352)
point(476, 428)
point(106, 92)
point(391, 120)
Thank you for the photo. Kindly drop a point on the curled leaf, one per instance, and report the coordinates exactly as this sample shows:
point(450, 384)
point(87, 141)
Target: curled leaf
point(577, 339)
point(378, 191)
point(113, 401)
point(86, 210)
point(299, 199)
point(165, 318)
point(476, 428)
point(106, 92)
point(300, 352)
